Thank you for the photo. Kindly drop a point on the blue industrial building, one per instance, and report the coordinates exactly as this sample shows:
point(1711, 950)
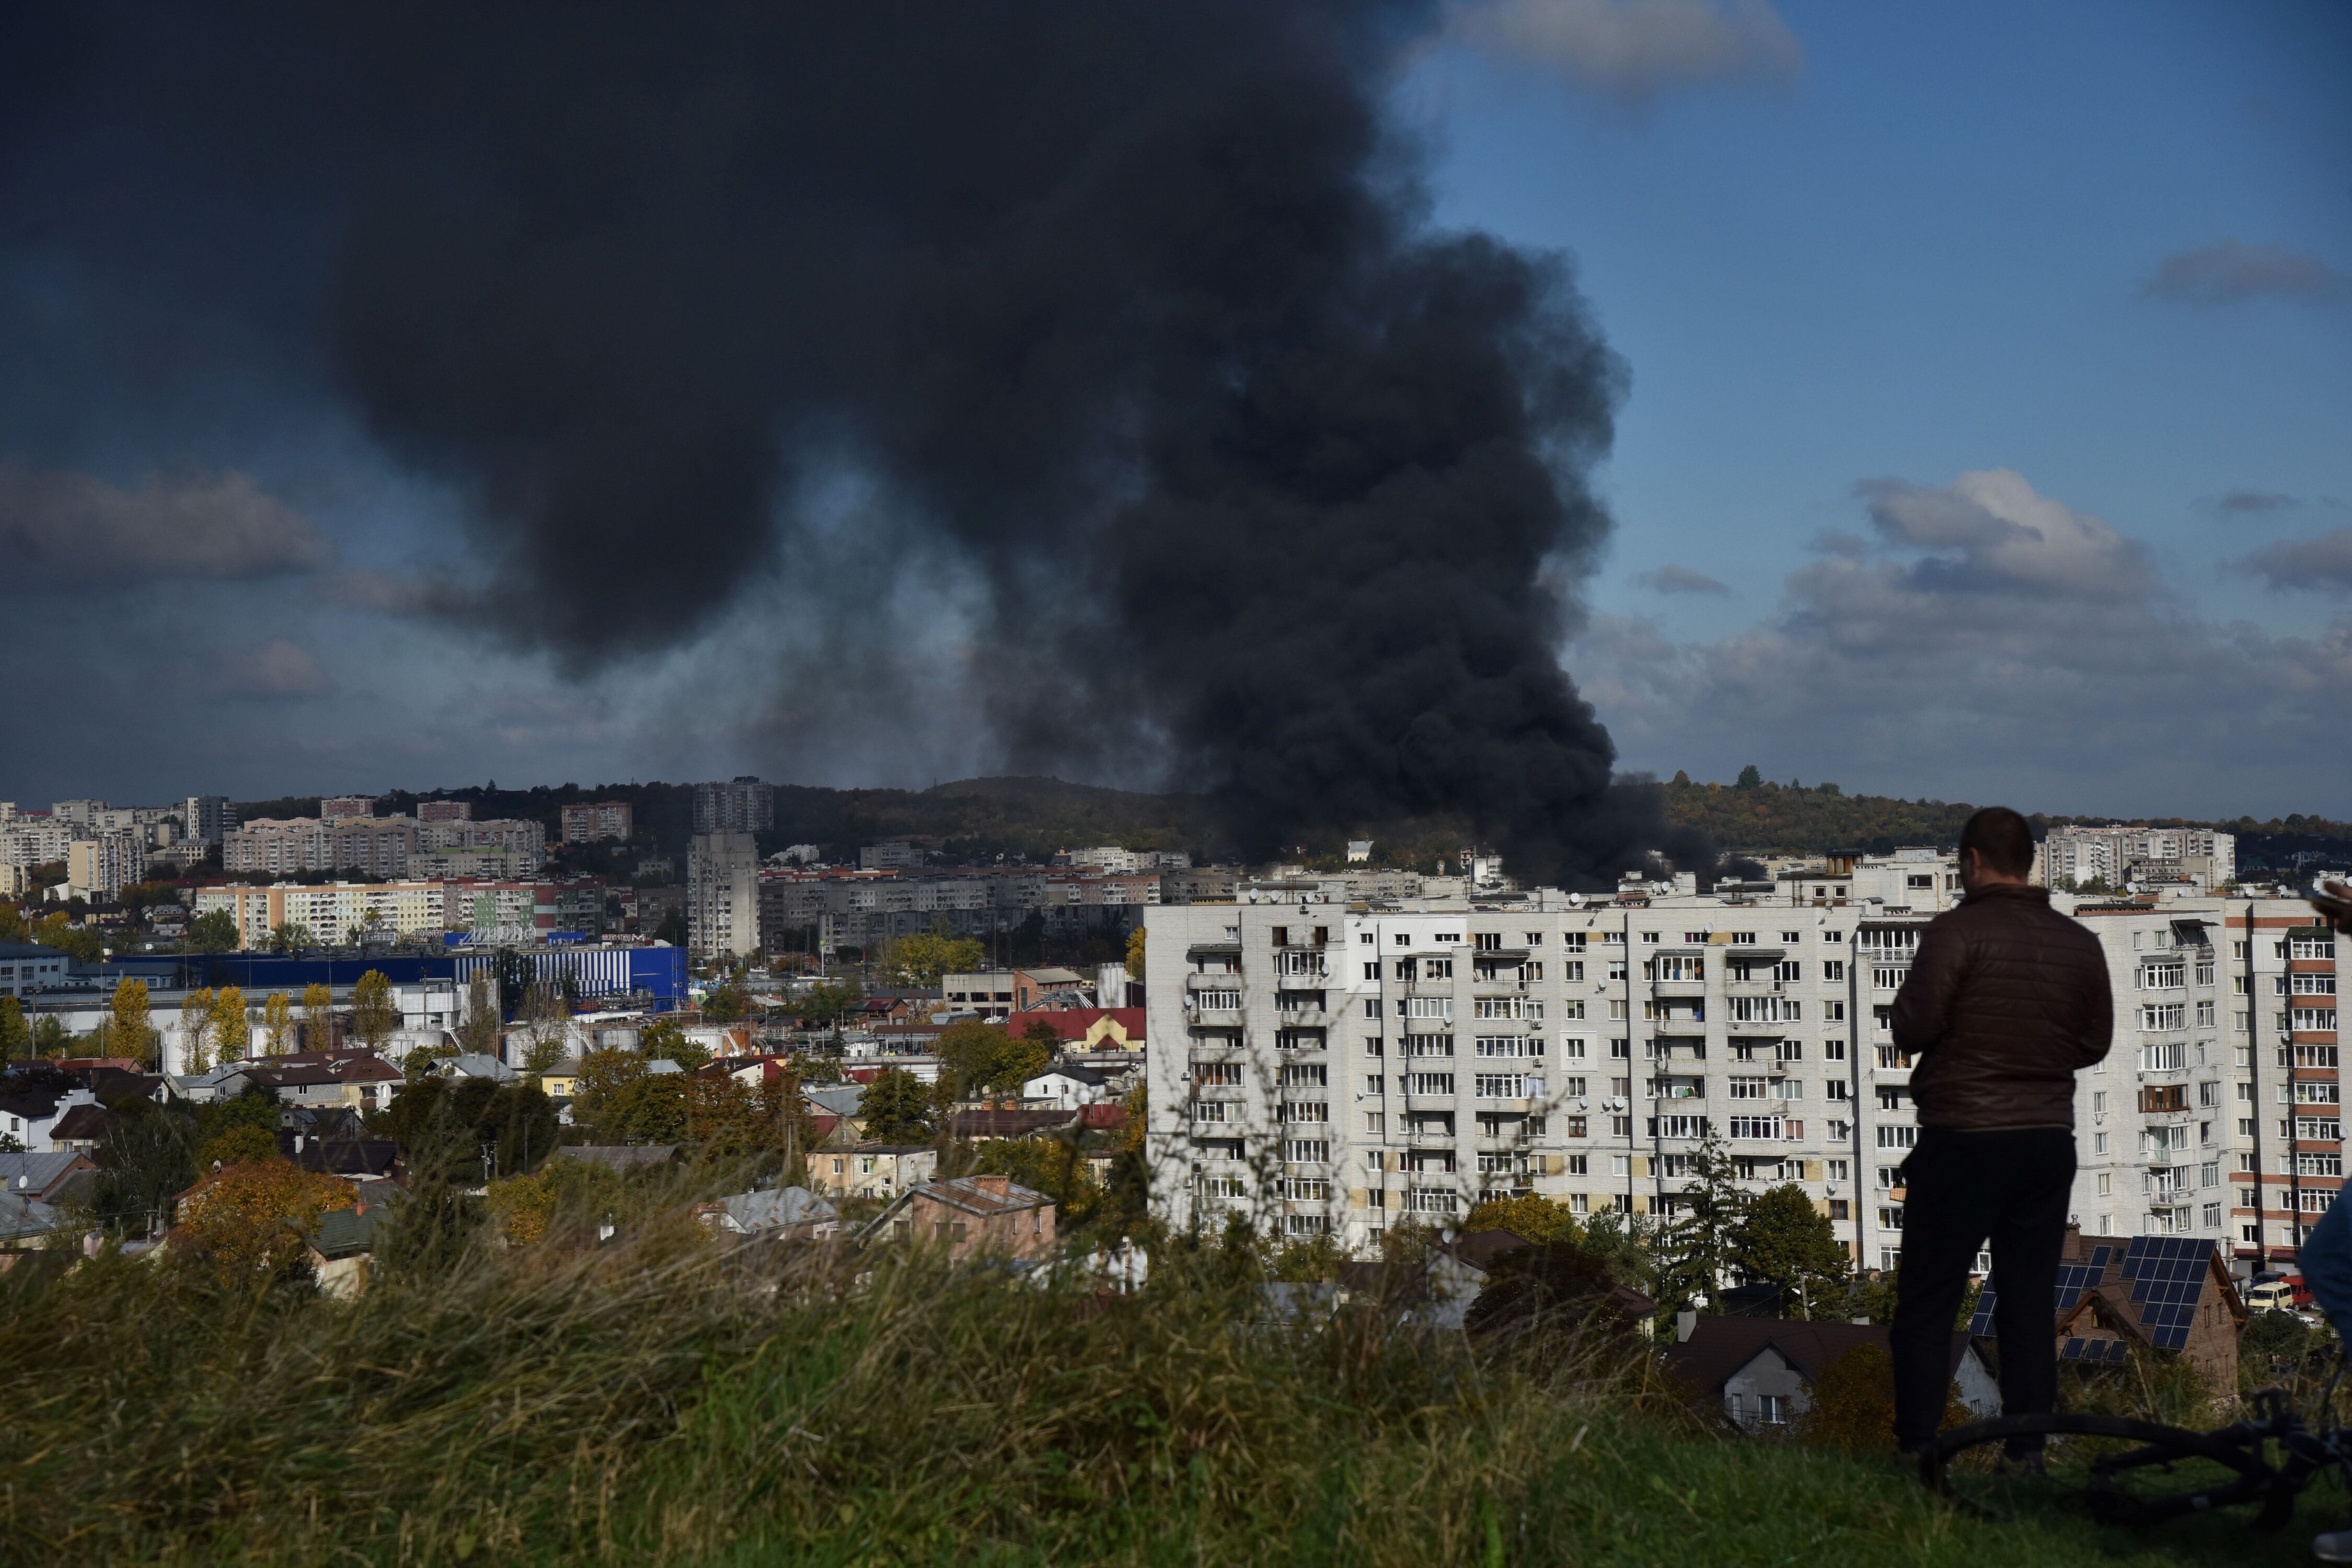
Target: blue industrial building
point(618, 974)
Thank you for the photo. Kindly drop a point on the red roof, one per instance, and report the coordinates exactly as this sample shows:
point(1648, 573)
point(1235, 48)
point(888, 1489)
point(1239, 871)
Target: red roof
point(1072, 1023)
point(1109, 1116)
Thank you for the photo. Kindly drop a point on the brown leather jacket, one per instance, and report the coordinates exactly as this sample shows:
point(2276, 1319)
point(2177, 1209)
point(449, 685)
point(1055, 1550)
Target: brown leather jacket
point(2006, 1001)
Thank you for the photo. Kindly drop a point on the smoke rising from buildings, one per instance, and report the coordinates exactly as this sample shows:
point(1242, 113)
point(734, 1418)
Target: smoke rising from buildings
point(1133, 309)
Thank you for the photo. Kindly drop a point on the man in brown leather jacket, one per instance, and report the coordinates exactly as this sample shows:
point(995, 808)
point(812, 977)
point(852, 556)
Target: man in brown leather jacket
point(2006, 1001)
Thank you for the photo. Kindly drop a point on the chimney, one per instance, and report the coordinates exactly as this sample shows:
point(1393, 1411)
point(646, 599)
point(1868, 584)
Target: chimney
point(1685, 1324)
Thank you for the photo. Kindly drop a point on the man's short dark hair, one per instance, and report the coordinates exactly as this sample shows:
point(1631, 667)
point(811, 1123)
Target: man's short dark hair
point(2002, 837)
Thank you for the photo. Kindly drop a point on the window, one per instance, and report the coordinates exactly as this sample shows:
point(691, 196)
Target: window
point(1374, 1046)
point(1502, 1085)
point(1833, 1170)
point(1303, 1110)
point(2162, 1015)
point(1509, 1046)
point(1307, 1150)
point(1833, 1050)
point(1225, 1074)
point(1837, 1089)
point(1788, 971)
point(2163, 1056)
point(1791, 938)
point(1833, 969)
point(1210, 1111)
point(1437, 969)
point(2315, 1018)
point(1487, 940)
point(1429, 1045)
point(1439, 1008)
point(1372, 1009)
point(1365, 938)
point(1898, 1137)
point(1766, 1127)
point(1747, 1088)
point(1690, 1127)
point(2311, 947)
point(1572, 1047)
point(2169, 976)
point(1218, 1001)
point(1438, 1083)
point(1316, 1076)
point(1791, 1088)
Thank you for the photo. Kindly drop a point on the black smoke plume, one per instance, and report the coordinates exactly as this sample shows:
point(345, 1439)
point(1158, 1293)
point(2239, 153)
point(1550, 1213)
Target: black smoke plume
point(1134, 306)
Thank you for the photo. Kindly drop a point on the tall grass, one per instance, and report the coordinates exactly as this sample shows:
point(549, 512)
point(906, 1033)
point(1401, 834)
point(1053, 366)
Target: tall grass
point(662, 1400)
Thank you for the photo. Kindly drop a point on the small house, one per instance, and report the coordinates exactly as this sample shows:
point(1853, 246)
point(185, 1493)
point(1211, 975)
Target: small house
point(969, 1216)
point(1762, 1371)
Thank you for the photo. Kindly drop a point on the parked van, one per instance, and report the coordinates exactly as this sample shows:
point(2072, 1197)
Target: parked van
point(2278, 1296)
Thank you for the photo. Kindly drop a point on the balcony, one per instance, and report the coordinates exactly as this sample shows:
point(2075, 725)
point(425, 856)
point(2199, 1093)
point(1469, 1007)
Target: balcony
point(1304, 1018)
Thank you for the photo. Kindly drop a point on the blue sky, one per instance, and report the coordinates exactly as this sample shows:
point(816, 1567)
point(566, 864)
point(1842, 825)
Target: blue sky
point(1952, 333)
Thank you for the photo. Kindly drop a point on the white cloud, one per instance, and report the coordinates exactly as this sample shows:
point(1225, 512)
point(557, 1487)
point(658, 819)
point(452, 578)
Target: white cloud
point(1635, 50)
point(2229, 272)
point(275, 669)
point(220, 525)
point(1995, 644)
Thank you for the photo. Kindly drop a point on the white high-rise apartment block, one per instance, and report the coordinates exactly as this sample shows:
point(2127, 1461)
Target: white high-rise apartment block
point(1323, 1067)
point(743, 805)
point(722, 894)
point(2075, 856)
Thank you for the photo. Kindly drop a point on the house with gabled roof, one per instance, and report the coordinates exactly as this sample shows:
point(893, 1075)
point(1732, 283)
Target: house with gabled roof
point(1762, 1371)
point(2168, 1293)
point(969, 1216)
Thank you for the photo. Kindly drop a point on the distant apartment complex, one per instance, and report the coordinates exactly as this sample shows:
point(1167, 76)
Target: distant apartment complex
point(743, 806)
point(608, 819)
point(2195, 858)
point(100, 868)
point(346, 911)
point(382, 845)
point(1333, 1067)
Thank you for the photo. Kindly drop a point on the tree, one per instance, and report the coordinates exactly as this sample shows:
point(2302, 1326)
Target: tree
point(214, 932)
point(1783, 1239)
point(15, 1038)
point(146, 1158)
point(1696, 1246)
point(672, 929)
point(196, 1030)
point(277, 1024)
point(725, 1004)
point(896, 1109)
point(1134, 957)
point(981, 1056)
point(373, 1016)
point(293, 936)
point(318, 1017)
point(75, 942)
point(49, 1036)
point(546, 1024)
point(665, 1039)
point(525, 1208)
point(922, 959)
point(478, 1031)
point(629, 1103)
point(127, 1031)
point(1750, 778)
point(246, 1225)
point(1537, 1219)
point(232, 1028)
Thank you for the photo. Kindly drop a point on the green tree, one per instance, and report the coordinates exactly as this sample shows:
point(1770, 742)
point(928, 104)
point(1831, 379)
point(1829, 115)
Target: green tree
point(75, 942)
point(127, 1031)
point(665, 1039)
point(373, 1016)
point(15, 1036)
point(49, 1036)
point(214, 932)
point(293, 936)
point(1783, 1239)
point(626, 1102)
point(1694, 1247)
point(1750, 778)
point(147, 1158)
point(478, 1031)
point(896, 1109)
point(725, 1003)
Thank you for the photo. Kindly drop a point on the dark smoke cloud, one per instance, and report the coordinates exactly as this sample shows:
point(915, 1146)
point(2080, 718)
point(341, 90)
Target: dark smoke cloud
point(1133, 306)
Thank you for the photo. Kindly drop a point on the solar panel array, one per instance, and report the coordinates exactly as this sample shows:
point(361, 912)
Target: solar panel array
point(2168, 1277)
point(2073, 1279)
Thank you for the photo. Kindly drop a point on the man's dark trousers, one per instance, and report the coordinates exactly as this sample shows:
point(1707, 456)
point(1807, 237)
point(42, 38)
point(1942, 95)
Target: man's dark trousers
point(2010, 1186)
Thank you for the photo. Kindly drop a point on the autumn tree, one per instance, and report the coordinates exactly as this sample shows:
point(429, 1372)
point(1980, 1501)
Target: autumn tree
point(1782, 1239)
point(896, 1109)
point(628, 1102)
point(277, 1024)
point(246, 1224)
point(127, 1031)
point(196, 1030)
point(232, 1030)
point(1531, 1218)
point(373, 1016)
point(317, 1016)
point(546, 1020)
point(919, 960)
point(59, 932)
point(15, 1038)
point(525, 1208)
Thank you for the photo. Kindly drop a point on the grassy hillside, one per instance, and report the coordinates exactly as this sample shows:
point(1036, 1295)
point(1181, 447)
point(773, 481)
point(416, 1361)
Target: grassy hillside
point(653, 1401)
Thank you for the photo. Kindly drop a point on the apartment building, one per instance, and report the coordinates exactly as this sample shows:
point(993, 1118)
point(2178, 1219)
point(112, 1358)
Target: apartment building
point(331, 913)
point(335, 805)
point(205, 817)
point(100, 868)
point(1329, 1068)
point(742, 805)
point(722, 894)
point(444, 811)
point(502, 836)
point(290, 845)
point(607, 820)
point(32, 838)
point(2076, 857)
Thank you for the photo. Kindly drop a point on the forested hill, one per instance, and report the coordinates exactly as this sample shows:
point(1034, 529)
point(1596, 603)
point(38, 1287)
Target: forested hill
point(1795, 819)
point(1034, 817)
